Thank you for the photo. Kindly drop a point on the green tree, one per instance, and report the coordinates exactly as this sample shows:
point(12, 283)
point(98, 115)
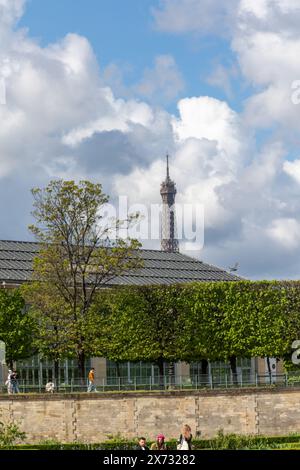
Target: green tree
point(77, 257)
point(196, 322)
point(203, 305)
point(290, 330)
point(55, 331)
point(254, 320)
point(140, 323)
point(16, 326)
point(226, 320)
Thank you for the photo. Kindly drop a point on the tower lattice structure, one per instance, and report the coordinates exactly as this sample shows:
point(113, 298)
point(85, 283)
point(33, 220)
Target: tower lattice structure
point(169, 241)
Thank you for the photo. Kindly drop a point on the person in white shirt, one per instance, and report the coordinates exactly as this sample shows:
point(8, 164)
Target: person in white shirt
point(185, 440)
point(50, 387)
point(8, 382)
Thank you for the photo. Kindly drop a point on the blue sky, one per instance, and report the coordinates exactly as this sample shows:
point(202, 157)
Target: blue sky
point(123, 32)
point(100, 89)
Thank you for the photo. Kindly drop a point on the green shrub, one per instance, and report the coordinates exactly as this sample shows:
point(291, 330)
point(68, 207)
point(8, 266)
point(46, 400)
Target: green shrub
point(10, 434)
point(222, 441)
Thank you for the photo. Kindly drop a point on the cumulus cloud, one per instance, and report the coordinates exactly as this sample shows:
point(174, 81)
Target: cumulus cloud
point(292, 168)
point(58, 120)
point(286, 232)
point(262, 200)
point(11, 11)
point(163, 82)
point(210, 150)
point(55, 103)
point(159, 85)
point(199, 16)
point(221, 77)
point(267, 44)
point(63, 119)
point(206, 117)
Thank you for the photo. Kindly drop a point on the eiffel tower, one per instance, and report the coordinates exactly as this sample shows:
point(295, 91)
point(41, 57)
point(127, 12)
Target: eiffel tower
point(169, 241)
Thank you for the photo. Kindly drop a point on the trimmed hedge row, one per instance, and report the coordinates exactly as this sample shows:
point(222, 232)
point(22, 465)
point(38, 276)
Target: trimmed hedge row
point(223, 441)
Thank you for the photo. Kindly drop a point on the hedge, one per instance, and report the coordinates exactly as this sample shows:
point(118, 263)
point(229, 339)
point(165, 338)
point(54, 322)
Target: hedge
point(223, 441)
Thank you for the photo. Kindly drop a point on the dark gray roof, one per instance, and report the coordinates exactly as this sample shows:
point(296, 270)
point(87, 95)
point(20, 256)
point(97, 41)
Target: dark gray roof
point(158, 267)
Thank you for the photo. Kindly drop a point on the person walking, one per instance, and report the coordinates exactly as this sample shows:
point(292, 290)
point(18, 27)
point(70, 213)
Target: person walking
point(91, 379)
point(141, 445)
point(160, 443)
point(185, 439)
point(8, 382)
point(14, 382)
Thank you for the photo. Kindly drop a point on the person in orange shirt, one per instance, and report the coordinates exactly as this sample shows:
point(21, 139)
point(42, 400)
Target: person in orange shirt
point(91, 378)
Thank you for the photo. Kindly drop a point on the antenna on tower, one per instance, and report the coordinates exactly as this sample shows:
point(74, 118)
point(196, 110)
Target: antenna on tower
point(168, 173)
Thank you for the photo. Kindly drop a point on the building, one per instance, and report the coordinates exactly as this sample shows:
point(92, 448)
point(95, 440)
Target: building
point(159, 268)
point(164, 267)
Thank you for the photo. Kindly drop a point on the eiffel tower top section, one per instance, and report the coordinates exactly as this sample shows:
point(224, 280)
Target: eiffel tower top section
point(169, 242)
point(168, 188)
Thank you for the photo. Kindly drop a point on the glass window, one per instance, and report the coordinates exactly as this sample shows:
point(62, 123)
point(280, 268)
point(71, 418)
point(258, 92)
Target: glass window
point(36, 370)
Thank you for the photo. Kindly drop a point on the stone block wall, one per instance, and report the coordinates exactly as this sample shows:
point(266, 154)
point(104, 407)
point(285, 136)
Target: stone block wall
point(92, 417)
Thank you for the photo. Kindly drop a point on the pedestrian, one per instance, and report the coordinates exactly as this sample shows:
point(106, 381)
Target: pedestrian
point(91, 379)
point(185, 439)
point(50, 387)
point(14, 382)
point(160, 443)
point(8, 382)
point(141, 445)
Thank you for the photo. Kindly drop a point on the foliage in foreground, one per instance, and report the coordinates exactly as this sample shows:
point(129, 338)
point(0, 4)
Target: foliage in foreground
point(221, 442)
point(10, 434)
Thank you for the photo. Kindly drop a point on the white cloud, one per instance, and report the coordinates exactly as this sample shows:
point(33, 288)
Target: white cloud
point(268, 13)
point(265, 38)
point(60, 121)
point(221, 77)
point(259, 8)
point(163, 82)
point(200, 16)
point(292, 168)
point(286, 232)
point(210, 149)
point(206, 117)
point(122, 117)
point(159, 85)
point(267, 44)
point(263, 212)
point(10, 11)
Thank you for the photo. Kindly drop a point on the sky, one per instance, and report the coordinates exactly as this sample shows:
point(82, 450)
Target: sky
point(102, 89)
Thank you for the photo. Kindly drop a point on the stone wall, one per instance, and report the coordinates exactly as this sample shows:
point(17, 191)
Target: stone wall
point(91, 417)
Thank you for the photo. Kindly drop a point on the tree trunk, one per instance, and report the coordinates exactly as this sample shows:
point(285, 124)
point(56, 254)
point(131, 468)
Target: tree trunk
point(269, 369)
point(204, 371)
point(160, 363)
point(81, 367)
point(204, 366)
point(56, 373)
point(232, 361)
point(171, 373)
